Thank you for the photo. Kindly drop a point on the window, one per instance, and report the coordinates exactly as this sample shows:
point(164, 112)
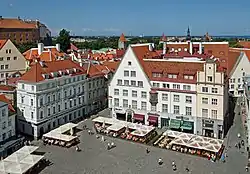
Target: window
point(156, 85)
point(32, 88)
point(209, 78)
point(153, 108)
point(133, 83)
point(41, 102)
point(32, 115)
point(4, 136)
point(204, 89)
point(15, 58)
point(126, 73)
point(176, 109)
point(41, 114)
point(129, 63)
point(164, 97)
point(172, 76)
point(70, 103)
point(188, 111)
point(176, 98)
point(214, 114)
point(189, 77)
point(134, 93)
point(31, 102)
point(6, 66)
point(243, 74)
point(116, 100)
point(59, 108)
point(1, 58)
point(126, 82)
point(9, 122)
point(6, 74)
point(125, 92)
point(188, 99)
point(134, 104)
point(2, 66)
point(9, 50)
point(187, 87)
point(48, 99)
point(116, 92)
point(232, 86)
point(204, 113)
point(164, 85)
point(125, 103)
point(119, 82)
point(238, 80)
point(3, 112)
point(140, 84)
point(143, 105)
point(48, 111)
point(204, 100)
point(214, 101)
point(22, 99)
point(65, 105)
point(233, 80)
point(8, 58)
point(215, 90)
point(165, 108)
point(143, 94)
point(133, 73)
point(65, 93)
point(175, 86)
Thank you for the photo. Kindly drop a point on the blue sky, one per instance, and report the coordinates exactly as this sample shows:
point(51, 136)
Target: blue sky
point(150, 17)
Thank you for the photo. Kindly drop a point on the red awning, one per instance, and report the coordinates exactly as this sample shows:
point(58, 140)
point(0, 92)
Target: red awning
point(138, 117)
point(153, 119)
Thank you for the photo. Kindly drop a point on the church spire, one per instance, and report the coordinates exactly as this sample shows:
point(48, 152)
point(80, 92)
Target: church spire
point(188, 34)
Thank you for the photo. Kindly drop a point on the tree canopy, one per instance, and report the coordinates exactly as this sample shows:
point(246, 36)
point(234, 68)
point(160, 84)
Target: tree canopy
point(25, 46)
point(64, 40)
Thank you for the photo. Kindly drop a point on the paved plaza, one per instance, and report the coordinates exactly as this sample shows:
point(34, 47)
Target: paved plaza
point(131, 158)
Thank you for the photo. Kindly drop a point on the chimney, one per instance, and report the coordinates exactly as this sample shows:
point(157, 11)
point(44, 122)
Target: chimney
point(58, 47)
point(200, 48)
point(164, 48)
point(40, 48)
point(191, 48)
point(150, 47)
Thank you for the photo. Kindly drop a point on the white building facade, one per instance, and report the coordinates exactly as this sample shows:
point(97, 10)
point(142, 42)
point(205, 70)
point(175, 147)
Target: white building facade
point(163, 93)
point(240, 69)
point(58, 96)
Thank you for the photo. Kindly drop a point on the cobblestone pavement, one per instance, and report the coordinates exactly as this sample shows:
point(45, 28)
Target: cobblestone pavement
point(131, 158)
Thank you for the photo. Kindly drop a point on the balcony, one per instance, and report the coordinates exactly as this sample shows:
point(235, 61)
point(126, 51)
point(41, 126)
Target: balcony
point(153, 97)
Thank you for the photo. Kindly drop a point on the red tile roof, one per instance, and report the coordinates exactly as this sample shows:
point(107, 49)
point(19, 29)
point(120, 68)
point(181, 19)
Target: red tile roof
point(17, 24)
point(2, 43)
point(4, 99)
point(112, 66)
point(47, 55)
point(232, 58)
point(93, 71)
point(73, 47)
point(7, 88)
point(122, 38)
point(245, 44)
point(36, 71)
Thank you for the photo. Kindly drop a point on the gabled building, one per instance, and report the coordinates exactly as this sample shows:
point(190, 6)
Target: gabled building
point(240, 59)
point(11, 60)
point(187, 95)
point(50, 94)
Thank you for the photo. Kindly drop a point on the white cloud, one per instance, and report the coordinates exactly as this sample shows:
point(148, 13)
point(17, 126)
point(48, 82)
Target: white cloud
point(111, 29)
point(88, 29)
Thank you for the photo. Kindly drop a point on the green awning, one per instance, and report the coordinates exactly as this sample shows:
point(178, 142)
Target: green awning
point(175, 124)
point(187, 125)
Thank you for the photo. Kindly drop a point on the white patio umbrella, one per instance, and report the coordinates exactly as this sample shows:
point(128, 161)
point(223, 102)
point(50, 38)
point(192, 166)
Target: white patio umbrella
point(16, 157)
point(32, 159)
point(27, 149)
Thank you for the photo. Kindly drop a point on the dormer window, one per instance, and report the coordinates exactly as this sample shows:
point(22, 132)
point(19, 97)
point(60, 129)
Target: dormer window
point(54, 74)
point(70, 71)
point(157, 74)
point(188, 77)
point(172, 76)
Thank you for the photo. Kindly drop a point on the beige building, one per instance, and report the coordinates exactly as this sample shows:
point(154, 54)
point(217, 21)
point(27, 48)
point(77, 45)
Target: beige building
point(11, 60)
point(212, 99)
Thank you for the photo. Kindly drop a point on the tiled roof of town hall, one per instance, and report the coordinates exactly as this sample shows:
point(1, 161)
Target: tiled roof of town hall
point(166, 67)
point(122, 38)
point(36, 71)
point(178, 68)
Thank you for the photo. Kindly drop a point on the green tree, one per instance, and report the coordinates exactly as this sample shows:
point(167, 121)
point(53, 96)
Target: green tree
point(25, 46)
point(64, 40)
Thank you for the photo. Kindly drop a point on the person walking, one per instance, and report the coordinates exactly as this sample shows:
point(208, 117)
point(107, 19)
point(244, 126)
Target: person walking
point(147, 150)
point(160, 162)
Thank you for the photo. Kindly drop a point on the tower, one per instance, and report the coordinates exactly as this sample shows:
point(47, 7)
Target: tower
point(122, 42)
point(188, 38)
